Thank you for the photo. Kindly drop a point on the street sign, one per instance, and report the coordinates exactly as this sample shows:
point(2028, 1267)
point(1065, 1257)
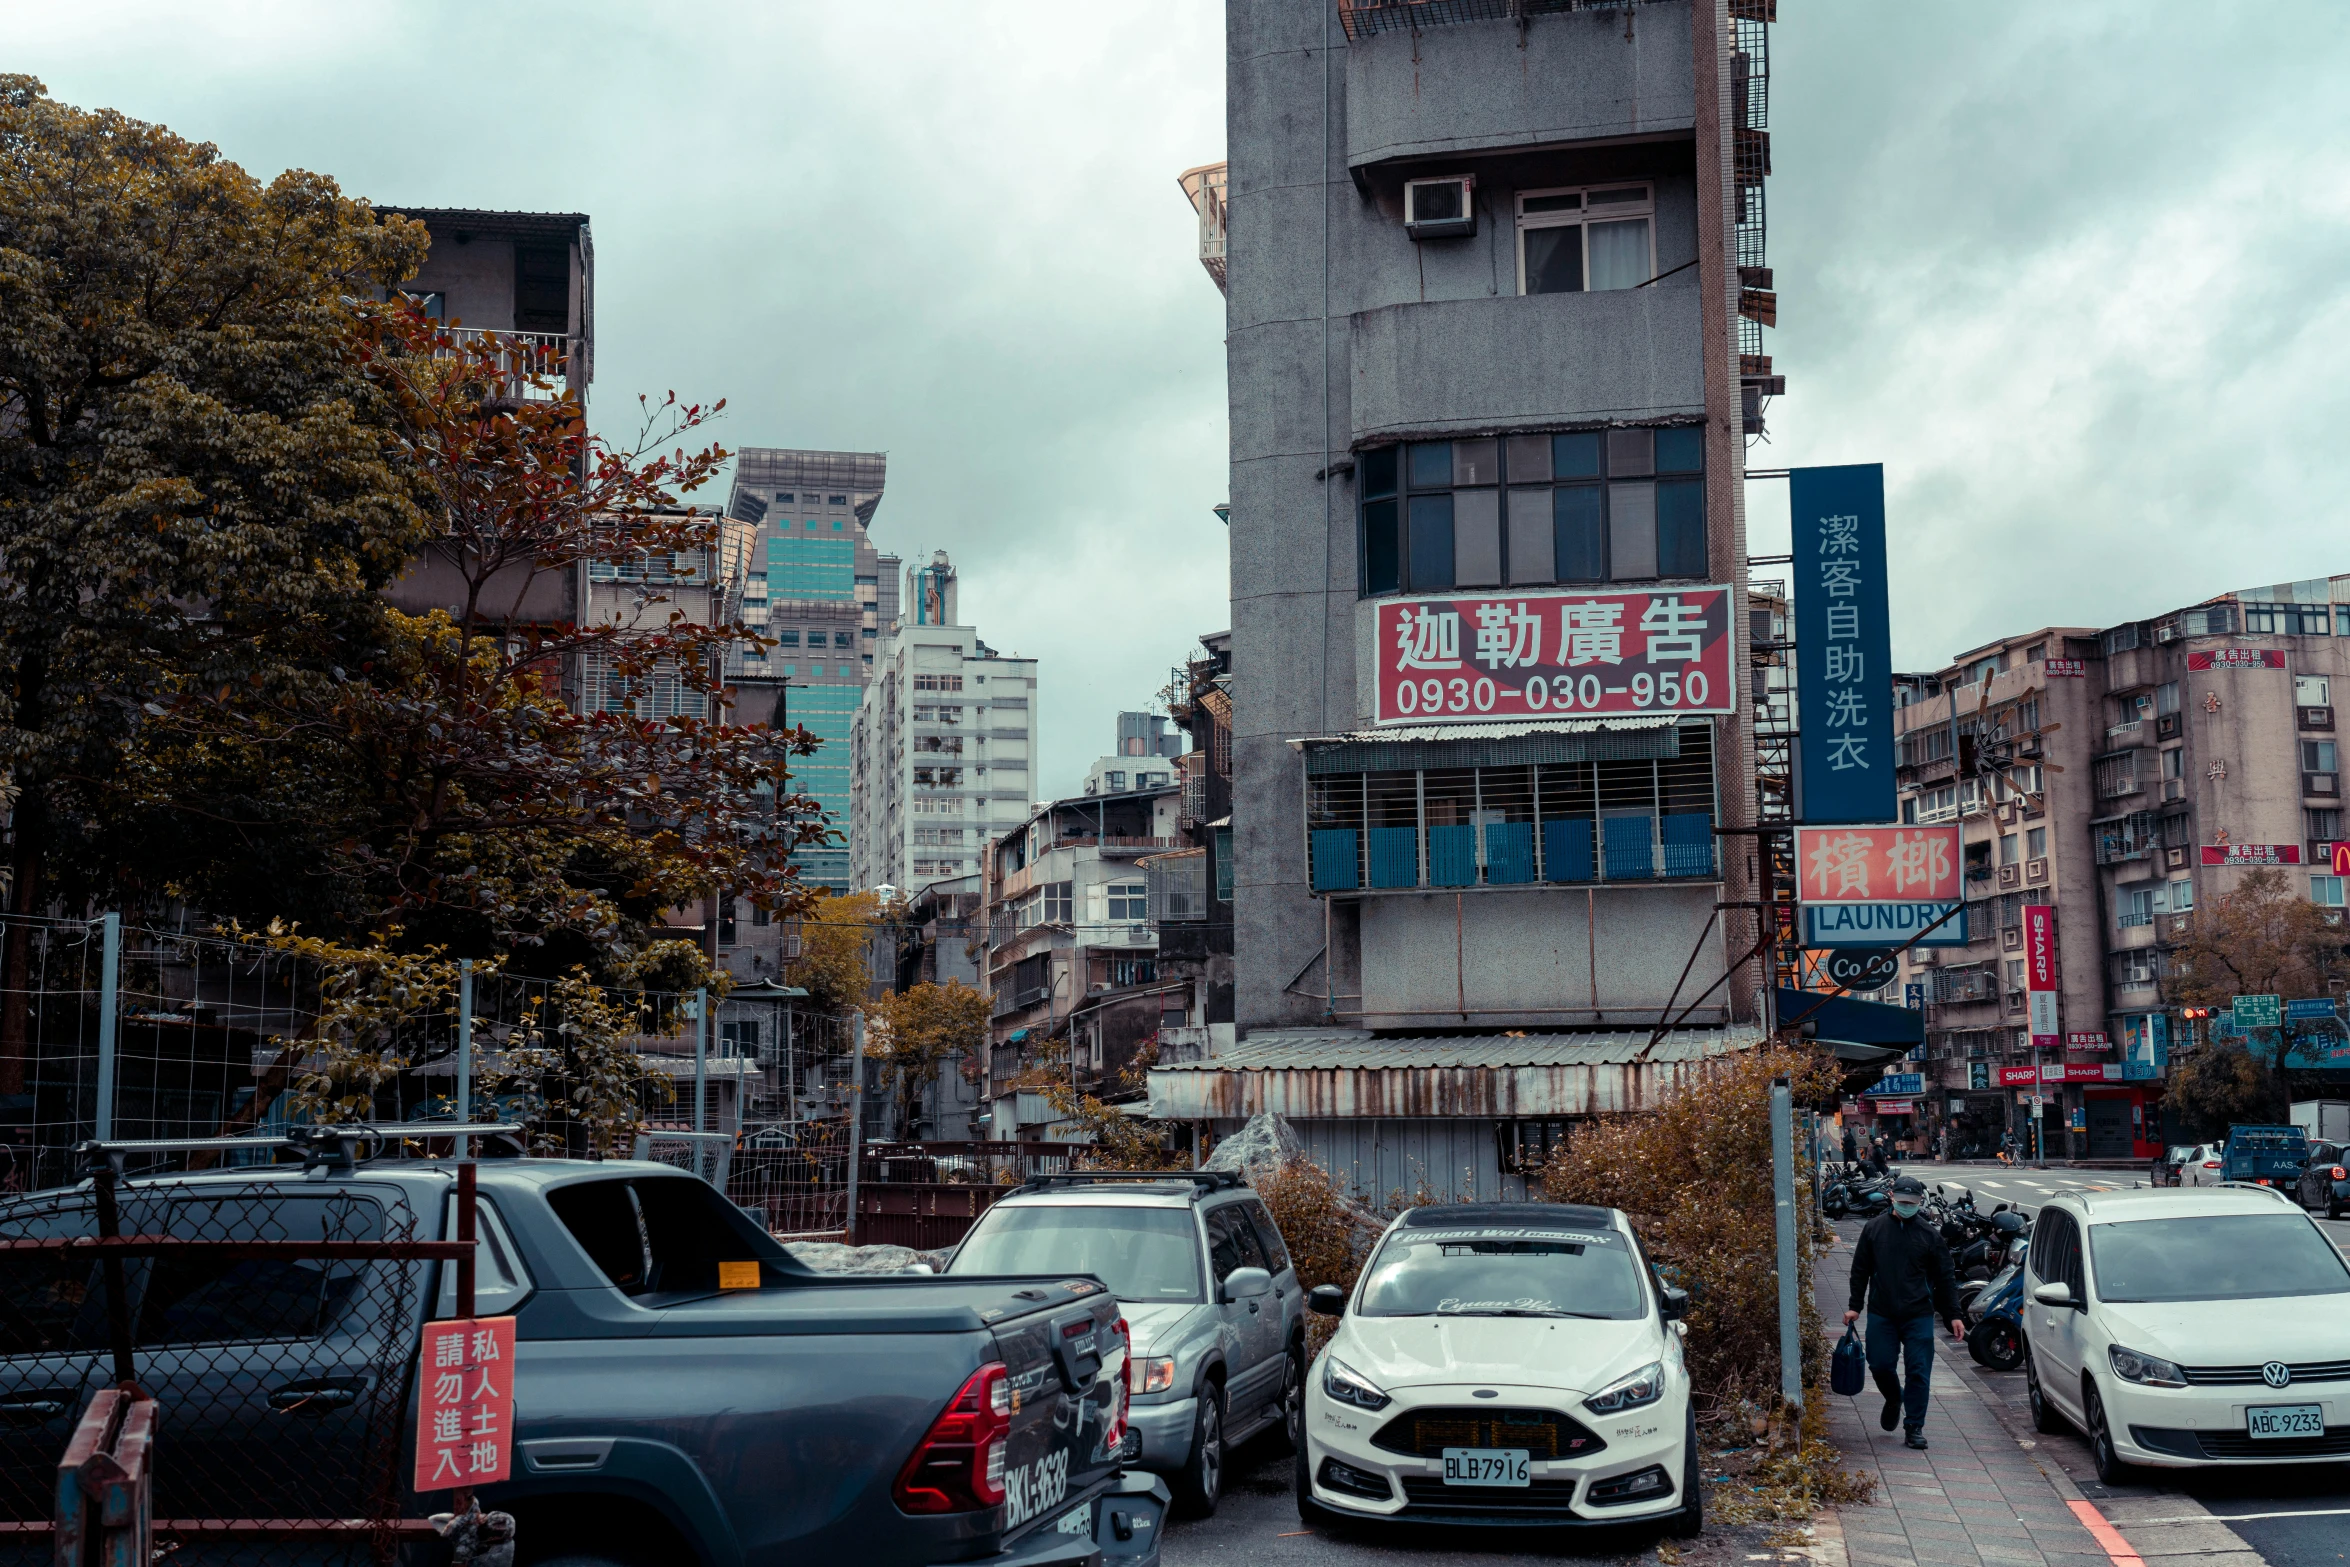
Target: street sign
point(1861, 968)
point(1884, 924)
point(465, 1403)
point(2066, 668)
point(2088, 1039)
point(1843, 644)
point(2315, 1006)
point(1978, 1074)
point(1900, 1083)
point(2256, 1012)
point(1913, 995)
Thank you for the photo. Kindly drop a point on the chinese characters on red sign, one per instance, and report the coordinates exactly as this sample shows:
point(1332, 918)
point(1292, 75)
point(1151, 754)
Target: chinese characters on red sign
point(2067, 668)
point(2252, 854)
point(1529, 655)
point(465, 1403)
point(2095, 1039)
point(1878, 864)
point(2237, 658)
point(2040, 973)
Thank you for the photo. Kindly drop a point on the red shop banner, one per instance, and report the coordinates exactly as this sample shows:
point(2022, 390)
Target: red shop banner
point(2018, 1076)
point(2040, 971)
point(2076, 1072)
point(2237, 658)
point(1879, 865)
point(2252, 854)
point(1470, 658)
point(2334, 856)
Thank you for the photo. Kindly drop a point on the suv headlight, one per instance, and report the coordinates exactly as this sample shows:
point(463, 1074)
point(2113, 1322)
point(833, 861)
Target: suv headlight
point(2146, 1370)
point(1349, 1386)
point(1644, 1386)
point(1151, 1373)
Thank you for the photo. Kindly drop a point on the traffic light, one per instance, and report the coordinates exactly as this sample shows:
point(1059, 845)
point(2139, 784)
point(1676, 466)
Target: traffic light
point(2192, 1013)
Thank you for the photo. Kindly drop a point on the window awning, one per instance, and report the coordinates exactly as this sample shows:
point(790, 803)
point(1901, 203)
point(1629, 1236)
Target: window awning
point(1859, 1032)
point(1628, 737)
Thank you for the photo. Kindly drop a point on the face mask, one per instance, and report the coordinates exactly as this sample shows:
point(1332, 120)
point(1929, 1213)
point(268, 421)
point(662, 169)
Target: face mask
point(1905, 1207)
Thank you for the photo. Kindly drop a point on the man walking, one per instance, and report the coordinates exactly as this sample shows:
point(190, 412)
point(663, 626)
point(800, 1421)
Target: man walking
point(1901, 1273)
point(1851, 1147)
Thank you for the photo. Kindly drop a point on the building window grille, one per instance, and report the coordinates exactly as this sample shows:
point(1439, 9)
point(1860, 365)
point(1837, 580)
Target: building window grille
point(1555, 822)
point(1524, 511)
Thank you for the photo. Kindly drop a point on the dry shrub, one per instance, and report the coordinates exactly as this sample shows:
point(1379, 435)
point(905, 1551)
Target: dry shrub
point(1328, 1235)
point(1695, 1177)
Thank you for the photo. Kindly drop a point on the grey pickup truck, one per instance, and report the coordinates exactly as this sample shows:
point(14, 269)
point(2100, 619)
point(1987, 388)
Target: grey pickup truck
point(896, 1421)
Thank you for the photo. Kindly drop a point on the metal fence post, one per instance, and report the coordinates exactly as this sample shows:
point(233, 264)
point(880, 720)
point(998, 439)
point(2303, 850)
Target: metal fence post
point(856, 1119)
point(1783, 1207)
point(109, 994)
point(464, 1042)
point(701, 1063)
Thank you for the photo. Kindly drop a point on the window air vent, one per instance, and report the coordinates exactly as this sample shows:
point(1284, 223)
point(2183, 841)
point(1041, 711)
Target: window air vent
point(1440, 209)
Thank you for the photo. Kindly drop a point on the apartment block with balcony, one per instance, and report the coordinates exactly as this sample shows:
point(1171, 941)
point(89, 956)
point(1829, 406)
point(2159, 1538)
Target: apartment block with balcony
point(944, 743)
point(2122, 775)
point(1077, 896)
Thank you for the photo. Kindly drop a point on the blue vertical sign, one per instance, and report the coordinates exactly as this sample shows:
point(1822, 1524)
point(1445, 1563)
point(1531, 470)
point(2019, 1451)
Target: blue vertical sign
point(1843, 646)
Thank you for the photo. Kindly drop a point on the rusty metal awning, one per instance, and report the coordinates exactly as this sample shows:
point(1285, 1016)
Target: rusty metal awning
point(1325, 1074)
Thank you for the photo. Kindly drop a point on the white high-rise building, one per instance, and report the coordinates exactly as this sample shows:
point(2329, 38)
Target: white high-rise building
point(944, 743)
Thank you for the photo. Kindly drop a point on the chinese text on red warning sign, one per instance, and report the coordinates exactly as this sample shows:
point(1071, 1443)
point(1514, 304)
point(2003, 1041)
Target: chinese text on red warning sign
point(465, 1403)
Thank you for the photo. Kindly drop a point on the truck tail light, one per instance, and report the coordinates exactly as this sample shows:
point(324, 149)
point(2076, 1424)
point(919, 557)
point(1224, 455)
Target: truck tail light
point(959, 1465)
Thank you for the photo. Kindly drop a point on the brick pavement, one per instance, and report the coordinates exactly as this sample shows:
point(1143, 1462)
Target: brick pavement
point(1978, 1497)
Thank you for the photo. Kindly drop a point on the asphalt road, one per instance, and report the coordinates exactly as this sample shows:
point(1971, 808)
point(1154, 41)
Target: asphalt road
point(2295, 1517)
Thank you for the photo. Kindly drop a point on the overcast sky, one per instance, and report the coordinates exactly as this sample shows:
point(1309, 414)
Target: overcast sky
point(2076, 274)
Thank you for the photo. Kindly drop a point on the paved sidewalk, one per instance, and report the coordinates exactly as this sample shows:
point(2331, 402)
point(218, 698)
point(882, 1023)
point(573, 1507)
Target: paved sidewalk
point(1978, 1497)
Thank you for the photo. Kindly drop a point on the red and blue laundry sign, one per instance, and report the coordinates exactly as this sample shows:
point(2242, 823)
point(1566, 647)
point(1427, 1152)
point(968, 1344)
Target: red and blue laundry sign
point(1481, 658)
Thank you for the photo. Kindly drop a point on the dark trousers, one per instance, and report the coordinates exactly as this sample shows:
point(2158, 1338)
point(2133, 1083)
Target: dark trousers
point(1890, 1341)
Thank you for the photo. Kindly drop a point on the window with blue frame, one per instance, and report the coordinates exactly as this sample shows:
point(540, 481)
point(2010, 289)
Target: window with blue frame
point(1586, 506)
point(1521, 824)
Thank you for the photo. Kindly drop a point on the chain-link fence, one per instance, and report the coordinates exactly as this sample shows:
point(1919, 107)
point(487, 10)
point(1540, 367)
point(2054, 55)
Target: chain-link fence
point(273, 1322)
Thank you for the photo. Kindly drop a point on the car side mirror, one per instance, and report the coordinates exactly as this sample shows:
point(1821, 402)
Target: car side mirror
point(1326, 1300)
point(2053, 1294)
point(1243, 1283)
point(1672, 1303)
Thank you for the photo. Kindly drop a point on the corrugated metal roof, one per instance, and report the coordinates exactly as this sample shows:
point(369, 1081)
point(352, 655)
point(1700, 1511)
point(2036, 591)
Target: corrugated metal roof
point(1280, 1050)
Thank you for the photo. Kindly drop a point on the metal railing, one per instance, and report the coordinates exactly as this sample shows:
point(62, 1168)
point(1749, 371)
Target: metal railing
point(535, 366)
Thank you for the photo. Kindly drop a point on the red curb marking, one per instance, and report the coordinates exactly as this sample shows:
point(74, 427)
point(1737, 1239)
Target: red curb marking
point(2106, 1535)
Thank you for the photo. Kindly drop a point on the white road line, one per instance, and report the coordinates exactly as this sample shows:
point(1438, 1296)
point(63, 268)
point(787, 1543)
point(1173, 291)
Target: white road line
point(2314, 1512)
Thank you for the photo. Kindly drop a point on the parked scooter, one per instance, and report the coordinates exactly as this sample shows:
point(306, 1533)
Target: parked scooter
point(1995, 1331)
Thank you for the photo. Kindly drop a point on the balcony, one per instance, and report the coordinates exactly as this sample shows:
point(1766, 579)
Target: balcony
point(518, 359)
point(2132, 921)
point(1204, 188)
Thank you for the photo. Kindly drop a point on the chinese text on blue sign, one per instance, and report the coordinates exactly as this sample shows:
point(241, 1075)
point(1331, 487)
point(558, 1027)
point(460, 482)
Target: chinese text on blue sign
point(1843, 645)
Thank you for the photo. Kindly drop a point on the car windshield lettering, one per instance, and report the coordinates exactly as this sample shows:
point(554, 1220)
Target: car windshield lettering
point(2216, 1257)
point(1145, 1255)
point(1503, 1273)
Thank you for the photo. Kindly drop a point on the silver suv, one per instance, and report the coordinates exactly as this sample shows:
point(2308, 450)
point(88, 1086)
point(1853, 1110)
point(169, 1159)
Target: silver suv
point(1207, 1290)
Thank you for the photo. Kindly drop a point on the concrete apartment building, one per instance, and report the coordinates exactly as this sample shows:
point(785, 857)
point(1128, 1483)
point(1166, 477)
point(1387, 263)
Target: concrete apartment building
point(1148, 756)
point(944, 743)
point(2124, 776)
point(816, 584)
point(1485, 266)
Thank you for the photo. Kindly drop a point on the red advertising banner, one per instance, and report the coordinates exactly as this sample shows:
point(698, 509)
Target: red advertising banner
point(2237, 658)
point(1878, 864)
point(465, 1403)
point(2254, 854)
point(2067, 668)
point(1469, 658)
point(2018, 1076)
point(2095, 1040)
point(1894, 1106)
point(2040, 972)
point(2334, 855)
point(2094, 1072)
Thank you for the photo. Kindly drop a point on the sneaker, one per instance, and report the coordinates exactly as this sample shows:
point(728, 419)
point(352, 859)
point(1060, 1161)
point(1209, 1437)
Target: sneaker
point(1916, 1439)
point(1892, 1415)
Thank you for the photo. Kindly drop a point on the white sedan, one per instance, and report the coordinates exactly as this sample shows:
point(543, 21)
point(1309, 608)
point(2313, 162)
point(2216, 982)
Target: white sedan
point(2182, 1329)
point(2201, 1166)
point(1502, 1363)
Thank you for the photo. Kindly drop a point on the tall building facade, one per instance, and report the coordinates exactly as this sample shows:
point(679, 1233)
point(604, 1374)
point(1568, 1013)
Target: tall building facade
point(2123, 777)
point(1490, 389)
point(816, 584)
point(944, 742)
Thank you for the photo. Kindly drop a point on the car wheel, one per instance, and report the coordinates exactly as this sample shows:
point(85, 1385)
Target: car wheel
point(2045, 1419)
point(1689, 1522)
point(2333, 1205)
point(1199, 1485)
point(1996, 1344)
point(1291, 1430)
point(2111, 1470)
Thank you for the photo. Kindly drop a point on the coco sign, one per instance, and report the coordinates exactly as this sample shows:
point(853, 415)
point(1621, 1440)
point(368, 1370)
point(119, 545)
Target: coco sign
point(1861, 968)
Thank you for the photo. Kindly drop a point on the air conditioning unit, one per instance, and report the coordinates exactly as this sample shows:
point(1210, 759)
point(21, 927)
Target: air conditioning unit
point(1440, 208)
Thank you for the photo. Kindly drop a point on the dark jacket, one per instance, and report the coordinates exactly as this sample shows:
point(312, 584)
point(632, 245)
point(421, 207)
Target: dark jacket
point(1902, 1269)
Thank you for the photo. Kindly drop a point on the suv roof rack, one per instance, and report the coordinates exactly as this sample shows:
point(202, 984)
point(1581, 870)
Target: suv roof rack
point(1202, 1181)
point(337, 1146)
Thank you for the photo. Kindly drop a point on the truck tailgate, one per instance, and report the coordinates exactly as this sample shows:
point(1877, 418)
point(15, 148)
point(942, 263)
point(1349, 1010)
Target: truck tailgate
point(1067, 1367)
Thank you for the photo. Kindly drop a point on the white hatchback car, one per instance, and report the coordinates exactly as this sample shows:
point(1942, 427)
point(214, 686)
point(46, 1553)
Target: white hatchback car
point(1502, 1363)
point(2201, 1166)
point(2188, 1328)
